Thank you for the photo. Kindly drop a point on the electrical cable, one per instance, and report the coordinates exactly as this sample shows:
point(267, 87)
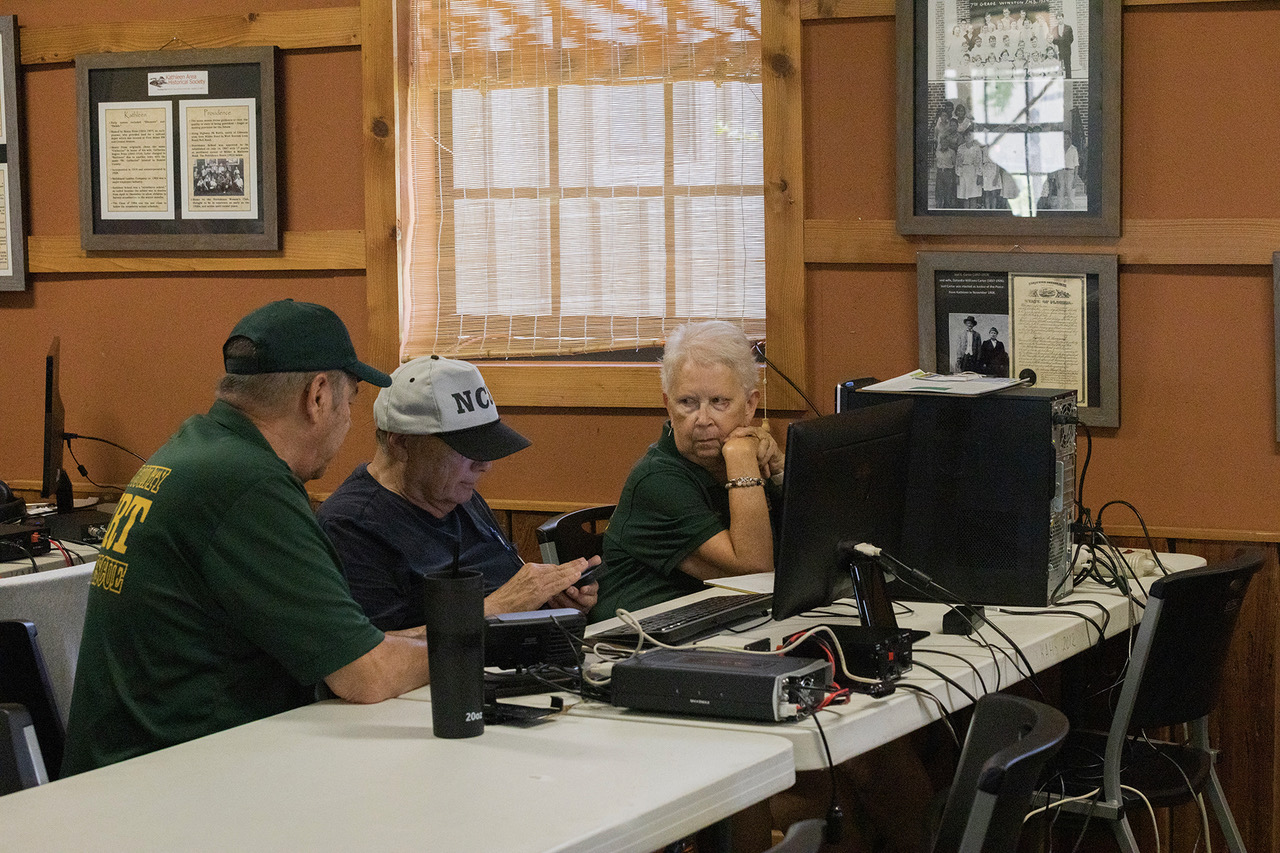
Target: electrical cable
point(67, 436)
point(889, 562)
point(948, 679)
point(84, 472)
point(944, 714)
point(834, 831)
point(760, 351)
point(1155, 825)
point(976, 673)
point(66, 555)
point(1058, 611)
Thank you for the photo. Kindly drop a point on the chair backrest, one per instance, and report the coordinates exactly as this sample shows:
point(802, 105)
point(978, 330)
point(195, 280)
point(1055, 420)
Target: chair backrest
point(573, 534)
point(25, 682)
point(55, 601)
point(1175, 673)
point(1010, 740)
point(21, 762)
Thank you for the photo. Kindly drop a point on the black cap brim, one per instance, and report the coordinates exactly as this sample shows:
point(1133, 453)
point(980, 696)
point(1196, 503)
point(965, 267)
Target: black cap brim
point(486, 442)
point(372, 375)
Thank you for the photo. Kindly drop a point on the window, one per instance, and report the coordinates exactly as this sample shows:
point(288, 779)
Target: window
point(583, 175)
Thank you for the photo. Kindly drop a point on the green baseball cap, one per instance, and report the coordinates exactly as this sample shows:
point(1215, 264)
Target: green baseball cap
point(298, 336)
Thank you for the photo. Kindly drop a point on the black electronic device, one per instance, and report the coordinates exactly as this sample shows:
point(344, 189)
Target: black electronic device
point(54, 482)
point(66, 522)
point(12, 507)
point(532, 638)
point(845, 482)
point(22, 542)
point(880, 653)
point(989, 494)
point(737, 685)
point(692, 621)
point(871, 595)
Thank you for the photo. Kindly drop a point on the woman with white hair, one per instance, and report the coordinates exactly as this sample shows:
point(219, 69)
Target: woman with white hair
point(697, 505)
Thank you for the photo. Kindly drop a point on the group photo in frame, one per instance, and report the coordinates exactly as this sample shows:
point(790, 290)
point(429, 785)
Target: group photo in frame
point(1004, 313)
point(178, 150)
point(1008, 117)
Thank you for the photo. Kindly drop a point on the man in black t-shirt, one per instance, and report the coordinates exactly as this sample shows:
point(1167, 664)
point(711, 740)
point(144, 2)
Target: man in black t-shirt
point(414, 511)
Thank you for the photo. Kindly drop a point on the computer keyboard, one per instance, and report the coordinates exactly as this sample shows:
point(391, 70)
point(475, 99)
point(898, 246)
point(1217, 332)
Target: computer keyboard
point(693, 621)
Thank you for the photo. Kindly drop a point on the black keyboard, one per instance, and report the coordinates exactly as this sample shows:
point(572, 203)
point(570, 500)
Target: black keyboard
point(693, 621)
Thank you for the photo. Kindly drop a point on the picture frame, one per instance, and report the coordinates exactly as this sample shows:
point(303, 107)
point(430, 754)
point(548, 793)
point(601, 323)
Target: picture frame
point(998, 134)
point(13, 233)
point(178, 150)
point(1275, 296)
point(1052, 314)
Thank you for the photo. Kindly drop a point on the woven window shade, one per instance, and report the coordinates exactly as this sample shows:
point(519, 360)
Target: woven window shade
point(584, 175)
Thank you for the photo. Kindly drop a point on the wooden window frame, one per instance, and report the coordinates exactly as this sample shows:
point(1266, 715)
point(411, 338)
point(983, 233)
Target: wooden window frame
point(596, 384)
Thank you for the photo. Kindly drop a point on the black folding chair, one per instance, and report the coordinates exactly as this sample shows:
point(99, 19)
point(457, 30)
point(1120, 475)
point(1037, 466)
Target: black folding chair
point(33, 726)
point(1010, 740)
point(1174, 677)
point(575, 534)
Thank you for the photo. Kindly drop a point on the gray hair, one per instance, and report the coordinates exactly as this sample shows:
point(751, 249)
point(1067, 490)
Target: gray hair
point(266, 393)
point(709, 342)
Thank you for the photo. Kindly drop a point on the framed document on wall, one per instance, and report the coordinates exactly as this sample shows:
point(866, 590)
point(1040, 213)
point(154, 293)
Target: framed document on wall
point(1003, 313)
point(178, 150)
point(1009, 117)
point(13, 244)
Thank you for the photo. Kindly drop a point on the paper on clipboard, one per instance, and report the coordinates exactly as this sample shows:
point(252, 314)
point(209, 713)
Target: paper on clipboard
point(956, 384)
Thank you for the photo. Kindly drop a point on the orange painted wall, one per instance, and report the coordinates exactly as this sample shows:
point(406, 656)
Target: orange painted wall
point(142, 352)
point(1196, 448)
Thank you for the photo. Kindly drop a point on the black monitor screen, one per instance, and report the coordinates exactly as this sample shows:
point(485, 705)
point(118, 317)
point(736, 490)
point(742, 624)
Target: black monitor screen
point(846, 479)
point(53, 424)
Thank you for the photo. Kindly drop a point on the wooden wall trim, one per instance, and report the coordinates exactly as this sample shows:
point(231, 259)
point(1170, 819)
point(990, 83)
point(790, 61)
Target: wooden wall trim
point(381, 193)
point(1197, 533)
point(1144, 241)
point(300, 250)
point(786, 296)
point(290, 30)
point(815, 10)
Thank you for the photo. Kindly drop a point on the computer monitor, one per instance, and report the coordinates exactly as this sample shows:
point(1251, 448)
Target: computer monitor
point(845, 482)
point(55, 482)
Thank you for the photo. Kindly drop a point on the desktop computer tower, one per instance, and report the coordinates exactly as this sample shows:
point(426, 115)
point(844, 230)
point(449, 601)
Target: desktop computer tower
point(989, 494)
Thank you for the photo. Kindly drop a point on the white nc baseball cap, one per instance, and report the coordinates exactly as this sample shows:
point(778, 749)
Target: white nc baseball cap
point(433, 395)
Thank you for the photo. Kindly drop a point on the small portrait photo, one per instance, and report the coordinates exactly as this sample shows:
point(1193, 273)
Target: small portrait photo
point(980, 343)
point(218, 177)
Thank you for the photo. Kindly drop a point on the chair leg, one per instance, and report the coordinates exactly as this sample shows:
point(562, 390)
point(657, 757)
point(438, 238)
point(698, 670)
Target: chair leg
point(1220, 810)
point(1124, 834)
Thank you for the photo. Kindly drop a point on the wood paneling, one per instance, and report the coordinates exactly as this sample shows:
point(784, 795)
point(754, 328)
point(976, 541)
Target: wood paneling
point(1179, 242)
point(786, 304)
point(300, 250)
point(381, 230)
point(290, 30)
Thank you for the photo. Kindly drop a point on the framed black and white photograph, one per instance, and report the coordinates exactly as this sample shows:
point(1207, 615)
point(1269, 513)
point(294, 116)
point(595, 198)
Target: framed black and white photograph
point(178, 150)
point(1047, 317)
point(1009, 117)
point(13, 242)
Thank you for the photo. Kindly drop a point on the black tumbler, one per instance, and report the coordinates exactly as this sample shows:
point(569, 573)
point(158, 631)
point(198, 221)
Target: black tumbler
point(455, 651)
